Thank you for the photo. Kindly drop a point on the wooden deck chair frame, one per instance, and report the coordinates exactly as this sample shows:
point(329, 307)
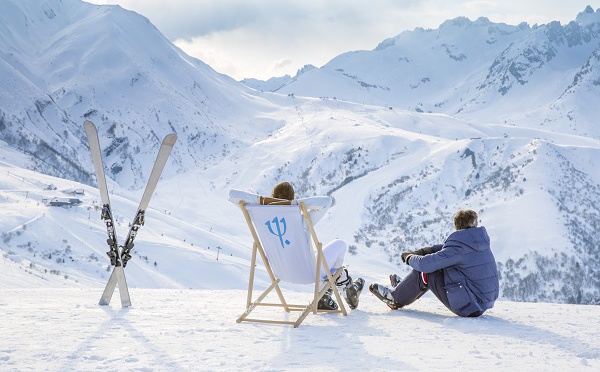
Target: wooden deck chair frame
point(318, 292)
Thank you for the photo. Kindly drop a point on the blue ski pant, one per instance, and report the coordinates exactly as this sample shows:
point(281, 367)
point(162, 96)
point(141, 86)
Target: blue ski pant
point(412, 287)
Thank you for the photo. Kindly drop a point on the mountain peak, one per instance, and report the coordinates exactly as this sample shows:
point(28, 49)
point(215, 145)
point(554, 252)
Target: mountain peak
point(588, 16)
point(304, 69)
point(457, 22)
point(482, 21)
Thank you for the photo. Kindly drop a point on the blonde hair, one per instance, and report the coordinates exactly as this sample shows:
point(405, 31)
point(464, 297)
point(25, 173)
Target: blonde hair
point(464, 219)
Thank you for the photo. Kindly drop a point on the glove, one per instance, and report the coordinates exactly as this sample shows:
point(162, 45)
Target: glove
point(423, 251)
point(406, 255)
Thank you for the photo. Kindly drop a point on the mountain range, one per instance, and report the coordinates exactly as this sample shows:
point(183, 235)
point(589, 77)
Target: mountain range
point(474, 114)
point(541, 76)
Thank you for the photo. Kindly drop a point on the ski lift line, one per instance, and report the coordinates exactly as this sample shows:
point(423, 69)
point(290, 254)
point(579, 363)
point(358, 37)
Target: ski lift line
point(32, 191)
point(8, 165)
point(220, 235)
point(19, 227)
point(223, 257)
point(99, 230)
point(23, 179)
point(232, 242)
point(92, 247)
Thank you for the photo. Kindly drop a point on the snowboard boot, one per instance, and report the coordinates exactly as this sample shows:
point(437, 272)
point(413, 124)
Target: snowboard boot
point(395, 280)
point(384, 294)
point(326, 302)
point(352, 292)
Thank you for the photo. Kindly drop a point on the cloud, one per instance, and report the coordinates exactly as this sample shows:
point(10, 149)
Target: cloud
point(180, 19)
point(282, 63)
point(265, 38)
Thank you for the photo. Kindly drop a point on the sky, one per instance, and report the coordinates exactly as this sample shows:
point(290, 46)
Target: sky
point(268, 38)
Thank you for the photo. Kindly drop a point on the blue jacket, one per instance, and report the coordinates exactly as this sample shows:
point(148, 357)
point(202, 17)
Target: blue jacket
point(470, 272)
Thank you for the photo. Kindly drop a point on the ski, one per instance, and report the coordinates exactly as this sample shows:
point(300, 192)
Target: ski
point(106, 215)
point(119, 255)
point(157, 169)
point(117, 277)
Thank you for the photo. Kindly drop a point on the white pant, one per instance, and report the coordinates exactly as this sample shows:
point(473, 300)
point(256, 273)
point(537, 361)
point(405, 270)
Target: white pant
point(334, 253)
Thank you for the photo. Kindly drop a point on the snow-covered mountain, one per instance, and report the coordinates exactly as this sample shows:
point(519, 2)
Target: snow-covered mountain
point(397, 176)
point(270, 85)
point(538, 76)
point(394, 189)
point(275, 83)
point(64, 61)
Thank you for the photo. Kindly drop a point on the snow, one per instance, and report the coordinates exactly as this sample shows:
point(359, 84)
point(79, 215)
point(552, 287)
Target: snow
point(54, 323)
point(184, 310)
point(396, 177)
point(190, 218)
point(195, 330)
point(230, 136)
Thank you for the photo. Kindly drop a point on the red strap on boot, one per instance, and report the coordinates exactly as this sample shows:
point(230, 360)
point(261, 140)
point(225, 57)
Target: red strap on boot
point(424, 277)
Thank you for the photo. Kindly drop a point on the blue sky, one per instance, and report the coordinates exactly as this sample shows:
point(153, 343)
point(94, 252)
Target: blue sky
point(266, 38)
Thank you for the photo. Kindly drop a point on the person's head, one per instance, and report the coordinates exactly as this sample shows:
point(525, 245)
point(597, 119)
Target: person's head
point(283, 190)
point(464, 219)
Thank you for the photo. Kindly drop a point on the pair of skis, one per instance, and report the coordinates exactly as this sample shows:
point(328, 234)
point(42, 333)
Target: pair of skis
point(120, 255)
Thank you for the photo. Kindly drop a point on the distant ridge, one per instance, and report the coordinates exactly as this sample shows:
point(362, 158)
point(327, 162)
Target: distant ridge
point(541, 76)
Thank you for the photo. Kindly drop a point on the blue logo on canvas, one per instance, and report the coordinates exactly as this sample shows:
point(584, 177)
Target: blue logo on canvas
point(278, 223)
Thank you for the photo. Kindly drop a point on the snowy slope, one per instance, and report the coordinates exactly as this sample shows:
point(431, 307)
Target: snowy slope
point(394, 189)
point(396, 176)
point(195, 330)
point(65, 246)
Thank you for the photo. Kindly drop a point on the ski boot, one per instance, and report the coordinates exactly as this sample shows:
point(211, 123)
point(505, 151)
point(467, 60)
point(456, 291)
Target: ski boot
point(384, 294)
point(326, 302)
point(352, 292)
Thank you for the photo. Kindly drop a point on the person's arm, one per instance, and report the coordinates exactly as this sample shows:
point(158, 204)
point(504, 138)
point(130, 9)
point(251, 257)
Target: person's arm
point(421, 252)
point(436, 248)
point(316, 206)
point(447, 256)
point(235, 196)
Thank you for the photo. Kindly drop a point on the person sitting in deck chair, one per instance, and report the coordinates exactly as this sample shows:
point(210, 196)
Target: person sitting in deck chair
point(316, 206)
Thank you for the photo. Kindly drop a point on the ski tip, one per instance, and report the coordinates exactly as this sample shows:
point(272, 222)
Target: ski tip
point(88, 124)
point(170, 140)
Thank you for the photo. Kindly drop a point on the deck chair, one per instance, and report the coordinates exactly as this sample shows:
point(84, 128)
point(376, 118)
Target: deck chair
point(284, 246)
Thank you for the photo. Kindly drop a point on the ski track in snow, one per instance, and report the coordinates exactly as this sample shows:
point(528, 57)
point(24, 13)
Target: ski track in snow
point(195, 330)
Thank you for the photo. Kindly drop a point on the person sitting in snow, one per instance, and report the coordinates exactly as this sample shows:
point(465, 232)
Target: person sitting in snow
point(462, 272)
point(316, 207)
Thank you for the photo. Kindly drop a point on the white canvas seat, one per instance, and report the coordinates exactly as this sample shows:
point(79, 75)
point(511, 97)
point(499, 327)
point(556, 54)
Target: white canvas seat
point(282, 237)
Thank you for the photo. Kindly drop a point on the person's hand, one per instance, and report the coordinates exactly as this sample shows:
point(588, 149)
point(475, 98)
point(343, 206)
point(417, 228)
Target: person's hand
point(405, 256)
